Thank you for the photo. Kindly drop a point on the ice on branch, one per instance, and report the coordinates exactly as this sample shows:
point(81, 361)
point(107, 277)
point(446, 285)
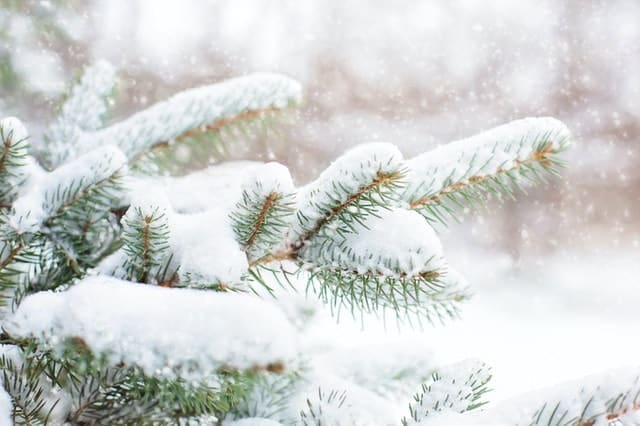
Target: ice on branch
point(83, 111)
point(457, 388)
point(497, 160)
point(610, 398)
point(357, 185)
point(163, 331)
point(262, 216)
point(13, 159)
point(68, 184)
point(195, 110)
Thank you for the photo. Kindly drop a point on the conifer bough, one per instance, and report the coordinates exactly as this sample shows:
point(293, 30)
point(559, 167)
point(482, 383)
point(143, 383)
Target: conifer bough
point(129, 298)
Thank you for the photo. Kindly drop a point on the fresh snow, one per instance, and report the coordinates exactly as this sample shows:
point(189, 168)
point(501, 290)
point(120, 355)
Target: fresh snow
point(202, 243)
point(216, 186)
point(164, 331)
point(451, 389)
point(205, 245)
point(482, 155)
point(268, 178)
point(52, 190)
point(354, 169)
point(396, 243)
point(589, 398)
point(13, 127)
point(84, 110)
point(195, 108)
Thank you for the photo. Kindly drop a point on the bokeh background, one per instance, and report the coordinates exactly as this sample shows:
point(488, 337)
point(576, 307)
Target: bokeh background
point(556, 273)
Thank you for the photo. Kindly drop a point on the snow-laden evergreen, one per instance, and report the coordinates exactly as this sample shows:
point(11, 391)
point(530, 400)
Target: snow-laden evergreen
point(135, 298)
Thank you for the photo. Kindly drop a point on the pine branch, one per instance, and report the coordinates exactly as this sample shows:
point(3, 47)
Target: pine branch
point(13, 158)
point(458, 388)
point(19, 256)
point(191, 110)
point(145, 236)
point(609, 398)
point(269, 396)
point(23, 377)
point(496, 162)
point(327, 409)
point(356, 186)
point(200, 147)
point(426, 297)
point(261, 218)
point(76, 182)
point(84, 110)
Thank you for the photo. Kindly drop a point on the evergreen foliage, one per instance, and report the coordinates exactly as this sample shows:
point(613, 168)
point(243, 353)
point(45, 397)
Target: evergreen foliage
point(359, 238)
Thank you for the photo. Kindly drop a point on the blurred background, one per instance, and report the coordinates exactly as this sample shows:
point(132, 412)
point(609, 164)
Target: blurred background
point(556, 273)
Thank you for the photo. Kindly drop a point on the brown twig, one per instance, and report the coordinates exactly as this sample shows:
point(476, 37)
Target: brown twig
point(541, 156)
point(272, 198)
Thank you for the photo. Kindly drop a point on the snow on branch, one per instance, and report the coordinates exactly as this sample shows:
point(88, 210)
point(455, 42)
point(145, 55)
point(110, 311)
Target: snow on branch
point(83, 111)
point(497, 161)
point(610, 398)
point(362, 252)
point(59, 190)
point(145, 234)
point(357, 185)
point(197, 110)
point(457, 388)
point(390, 262)
point(165, 332)
point(13, 158)
point(261, 218)
point(173, 249)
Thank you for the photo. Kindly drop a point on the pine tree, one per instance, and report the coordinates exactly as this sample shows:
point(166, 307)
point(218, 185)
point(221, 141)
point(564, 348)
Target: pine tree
point(132, 297)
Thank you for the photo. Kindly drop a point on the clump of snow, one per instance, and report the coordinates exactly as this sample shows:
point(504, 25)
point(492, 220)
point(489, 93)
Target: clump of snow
point(268, 178)
point(356, 168)
point(196, 108)
point(149, 198)
point(500, 148)
point(396, 243)
point(206, 248)
point(202, 243)
point(163, 331)
point(216, 186)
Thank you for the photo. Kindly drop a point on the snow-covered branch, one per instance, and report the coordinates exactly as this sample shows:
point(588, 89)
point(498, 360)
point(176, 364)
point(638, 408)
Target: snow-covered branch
point(261, 218)
point(497, 161)
point(84, 110)
point(187, 332)
point(13, 159)
point(197, 110)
